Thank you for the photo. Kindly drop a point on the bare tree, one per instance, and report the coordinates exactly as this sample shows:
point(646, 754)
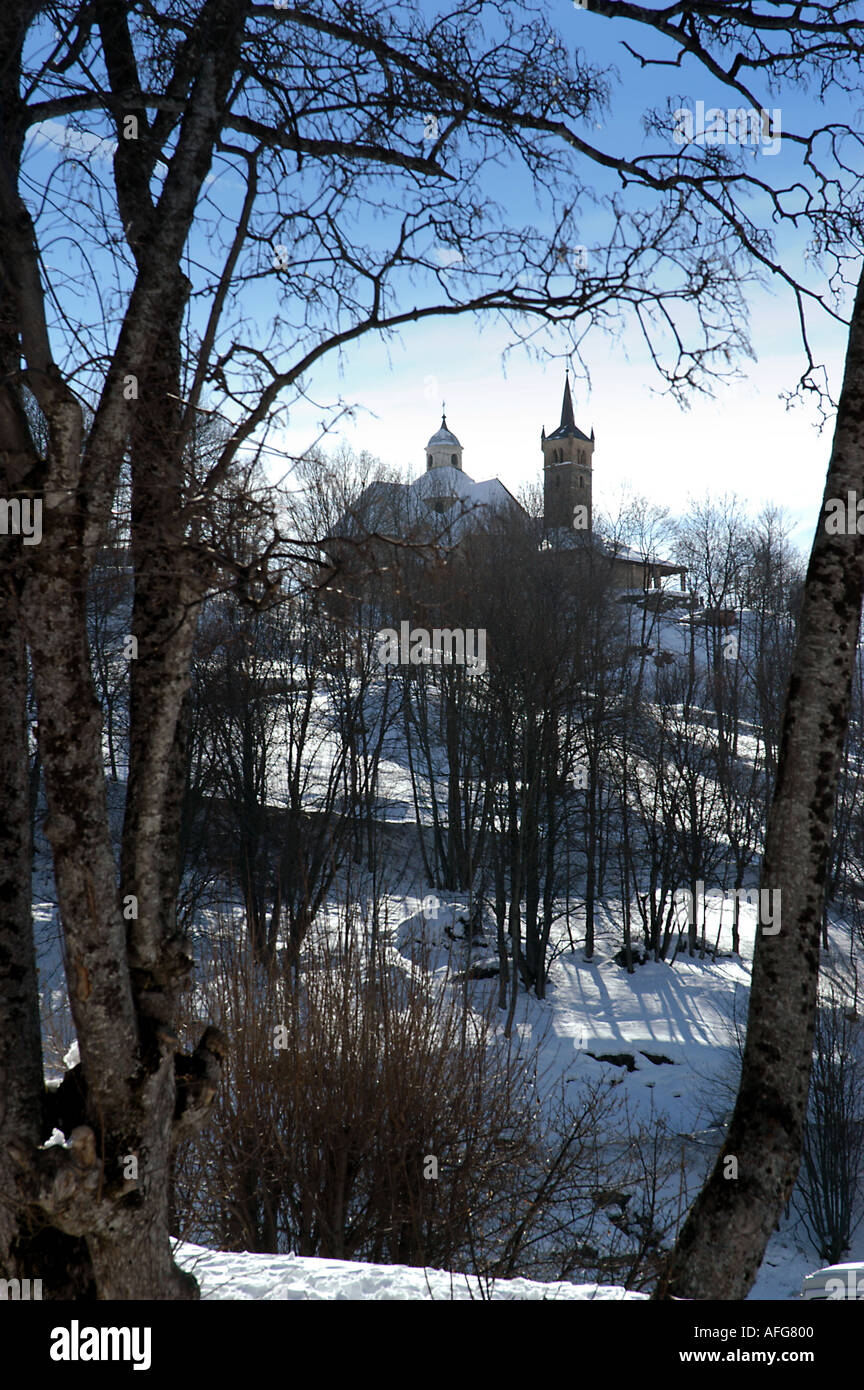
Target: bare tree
point(831, 1185)
point(246, 145)
point(215, 91)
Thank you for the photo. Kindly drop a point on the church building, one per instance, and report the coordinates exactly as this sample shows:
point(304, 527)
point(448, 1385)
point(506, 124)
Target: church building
point(444, 504)
point(568, 511)
point(568, 470)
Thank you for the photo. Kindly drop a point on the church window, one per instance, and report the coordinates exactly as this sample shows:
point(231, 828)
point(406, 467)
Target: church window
point(453, 460)
point(428, 460)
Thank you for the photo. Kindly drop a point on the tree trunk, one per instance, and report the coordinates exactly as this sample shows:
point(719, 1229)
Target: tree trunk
point(722, 1243)
point(98, 1208)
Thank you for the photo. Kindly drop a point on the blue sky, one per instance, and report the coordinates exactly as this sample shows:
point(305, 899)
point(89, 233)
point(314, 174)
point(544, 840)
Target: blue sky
point(744, 440)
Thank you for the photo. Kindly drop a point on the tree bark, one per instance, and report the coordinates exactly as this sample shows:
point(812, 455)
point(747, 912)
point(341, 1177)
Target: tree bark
point(93, 1216)
point(721, 1245)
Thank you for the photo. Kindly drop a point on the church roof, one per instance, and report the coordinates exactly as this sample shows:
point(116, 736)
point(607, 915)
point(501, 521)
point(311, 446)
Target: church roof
point(471, 505)
point(443, 482)
point(567, 429)
point(398, 508)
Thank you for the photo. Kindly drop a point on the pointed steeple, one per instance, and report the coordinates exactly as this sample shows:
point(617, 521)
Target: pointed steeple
point(568, 467)
point(568, 420)
point(568, 429)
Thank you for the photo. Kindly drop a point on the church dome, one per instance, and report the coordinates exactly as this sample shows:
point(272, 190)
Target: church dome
point(444, 436)
point(443, 449)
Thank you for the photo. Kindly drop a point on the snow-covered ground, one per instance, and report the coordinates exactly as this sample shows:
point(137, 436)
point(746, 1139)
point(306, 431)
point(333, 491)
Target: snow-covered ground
point(675, 1023)
point(665, 1035)
point(687, 1016)
point(223, 1276)
point(684, 1016)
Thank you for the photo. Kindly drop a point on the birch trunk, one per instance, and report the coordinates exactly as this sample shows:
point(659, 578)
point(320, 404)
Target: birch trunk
point(722, 1243)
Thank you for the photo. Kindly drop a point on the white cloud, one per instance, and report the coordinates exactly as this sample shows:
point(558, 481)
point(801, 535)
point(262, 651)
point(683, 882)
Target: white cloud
point(81, 142)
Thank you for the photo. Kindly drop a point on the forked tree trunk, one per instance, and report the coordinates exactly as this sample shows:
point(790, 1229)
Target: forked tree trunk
point(91, 1218)
point(723, 1240)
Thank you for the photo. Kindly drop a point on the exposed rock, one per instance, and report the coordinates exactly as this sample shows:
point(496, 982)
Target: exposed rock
point(639, 954)
point(618, 1059)
point(483, 970)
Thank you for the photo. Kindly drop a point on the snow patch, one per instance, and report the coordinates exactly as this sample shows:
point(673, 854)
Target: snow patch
point(246, 1276)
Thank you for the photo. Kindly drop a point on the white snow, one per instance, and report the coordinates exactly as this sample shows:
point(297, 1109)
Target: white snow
point(248, 1276)
point(57, 1141)
point(686, 1015)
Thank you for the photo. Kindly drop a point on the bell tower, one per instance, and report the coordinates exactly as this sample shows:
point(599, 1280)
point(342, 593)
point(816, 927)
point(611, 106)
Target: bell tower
point(443, 460)
point(568, 468)
point(443, 449)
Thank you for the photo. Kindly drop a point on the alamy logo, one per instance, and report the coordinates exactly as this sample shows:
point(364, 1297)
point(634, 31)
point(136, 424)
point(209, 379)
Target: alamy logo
point(848, 1288)
point(735, 126)
point(767, 900)
point(20, 1289)
point(21, 517)
point(76, 1343)
point(845, 518)
point(443, 646)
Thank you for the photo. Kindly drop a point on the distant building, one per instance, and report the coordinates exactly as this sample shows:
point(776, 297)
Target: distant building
point(568, 509)
point(441, 506)
point(444, 505)
point(568, 472)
